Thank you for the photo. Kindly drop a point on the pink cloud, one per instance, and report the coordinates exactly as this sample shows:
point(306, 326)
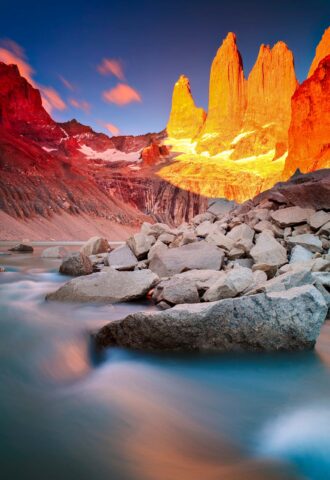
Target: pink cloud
point(80, 104)
point(112, 67)
point(67, 84)
point(53, 98)
point(112, 128)
point(122, 94)
point(12, 53)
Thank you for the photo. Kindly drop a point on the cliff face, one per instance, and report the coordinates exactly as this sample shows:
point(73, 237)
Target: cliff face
point(309, 132)
point(186, 120)
point(227, 97)
point(49, 168)
point(322, 50)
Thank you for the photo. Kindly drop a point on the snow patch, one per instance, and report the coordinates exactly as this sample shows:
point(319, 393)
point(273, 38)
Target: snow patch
point(109, 155)
point(49, 149)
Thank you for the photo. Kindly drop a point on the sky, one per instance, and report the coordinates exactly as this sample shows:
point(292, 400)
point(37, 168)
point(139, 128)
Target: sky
point(113, 64)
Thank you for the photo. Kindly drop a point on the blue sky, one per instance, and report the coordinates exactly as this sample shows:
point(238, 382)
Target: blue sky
point(154, 42)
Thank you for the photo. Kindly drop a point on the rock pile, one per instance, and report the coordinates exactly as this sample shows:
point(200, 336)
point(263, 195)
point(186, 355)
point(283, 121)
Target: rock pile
point(260, 272)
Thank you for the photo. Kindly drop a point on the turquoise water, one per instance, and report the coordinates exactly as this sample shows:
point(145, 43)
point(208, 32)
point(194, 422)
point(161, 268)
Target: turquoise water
point(69, 413)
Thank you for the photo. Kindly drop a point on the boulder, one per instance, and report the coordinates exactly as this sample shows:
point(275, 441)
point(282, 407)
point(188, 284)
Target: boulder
point(323, 278)
point(21, 248)
point(241, 232)
point(220, 240)
point(203, 217)
point(230, 284)
point(95, 245)
point(54, 252)
point(325, 229)
point(221, 207)
point(318, 219)
point(108, 286)
point(76, 264)
point(157, 247)
point(288, 320)
point(294, 278)
point(268, 254)
point(140, 244)
point(121, 258)
point(292, 215)
point(158, 228)
point(166, 238)
point(200, 256)
point(204, 228)
point(300, 254)
point(307, 240)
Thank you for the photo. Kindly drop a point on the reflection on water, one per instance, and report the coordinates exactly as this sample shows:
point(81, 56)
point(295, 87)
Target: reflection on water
point(146, 416)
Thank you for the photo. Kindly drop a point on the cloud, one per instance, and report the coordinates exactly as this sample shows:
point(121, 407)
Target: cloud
point(122, 94)
point(12, 53)
point(67, 84)
point(110, 66)
point(112, 128)
point(80, 104)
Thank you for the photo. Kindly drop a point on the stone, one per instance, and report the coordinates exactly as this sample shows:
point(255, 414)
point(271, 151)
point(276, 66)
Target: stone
point(261, 214)
point(204, 228)
point(300, 254)
point(21, 248)
point(287, 320)
point(186, 120)
point(323, 278)
point(264, 225)
point(157, 247)
point(231, 284)
point(292, 216)
point(200, 255)
point(98, 259)
point(221, 240)
point(176, 290)
point(268, 253)
point(95, 245)
point(318, 219)
point(140, 244)
point(236, 253)
point(166, 238)
point(291, 279)
point(221, 207)
point(158, 228)
point(307, 240)
point(325, 229)
point(203, 217)
point(121, 258)
point(110, 286)
point(54, 252)
point(76, 264)
point(241, 232)
point(301, 229)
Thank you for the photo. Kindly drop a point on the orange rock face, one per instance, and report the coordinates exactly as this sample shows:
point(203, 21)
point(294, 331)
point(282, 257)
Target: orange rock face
point(186, 120)
point(309, 132)
point(227, 97)
point(322, 50)
point(271, 84)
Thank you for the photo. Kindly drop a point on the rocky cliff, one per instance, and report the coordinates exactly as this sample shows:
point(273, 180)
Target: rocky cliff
point(186, 120)
point(309, 132)
point(322, 50)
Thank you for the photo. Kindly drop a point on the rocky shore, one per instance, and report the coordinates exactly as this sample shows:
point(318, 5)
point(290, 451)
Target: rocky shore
point(253, 277)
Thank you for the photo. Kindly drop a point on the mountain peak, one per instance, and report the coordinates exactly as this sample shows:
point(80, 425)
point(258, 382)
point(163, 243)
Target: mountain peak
point(322, 50)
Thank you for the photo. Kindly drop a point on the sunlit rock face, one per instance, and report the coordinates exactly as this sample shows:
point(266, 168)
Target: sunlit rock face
point(186, 120)
point(227, 98)
point(322, 50)
point(309, 132)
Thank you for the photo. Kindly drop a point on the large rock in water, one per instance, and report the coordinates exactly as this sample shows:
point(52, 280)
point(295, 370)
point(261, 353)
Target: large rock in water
point(309, 146)
point(287, 320)
point(76, 264)
point(95, 245)
point(121, 258)
point(54, 252)
point(22, 248)
point(186, 120)
point(108, 286)
point(200, 256)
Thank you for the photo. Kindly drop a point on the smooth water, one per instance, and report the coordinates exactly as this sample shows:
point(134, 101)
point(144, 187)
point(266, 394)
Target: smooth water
point(66, 413)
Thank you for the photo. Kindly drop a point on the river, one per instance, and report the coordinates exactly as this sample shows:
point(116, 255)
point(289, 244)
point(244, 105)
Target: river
point(69, 413)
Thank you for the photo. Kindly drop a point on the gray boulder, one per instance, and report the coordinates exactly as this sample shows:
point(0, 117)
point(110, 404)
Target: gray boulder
point(54, 252)
point(108, 286)
point(268, 254)
point(221, 206)
point(95, 245)
point(300, 254)
point(241, 232)
point(76, 264)
point(140, 244)
point(318, 219)
point(292, 216)
point(307, 240)
point(230, 284)
point(21, 248)
point(288, 320)
point(200, 256)
point(121, 258)
point(285, 281)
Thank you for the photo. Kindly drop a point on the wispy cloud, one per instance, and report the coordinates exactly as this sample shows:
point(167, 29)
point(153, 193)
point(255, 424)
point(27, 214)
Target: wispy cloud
point(111, 66)
point(122, 94)
point(12, 53)
point(80, 105)
point(67, 84)
point(112, 128)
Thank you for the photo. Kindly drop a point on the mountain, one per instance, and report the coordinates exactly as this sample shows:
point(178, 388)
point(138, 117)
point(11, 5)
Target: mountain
point(309, 132)
point(322, 50)
point(186, 120)
point(227, 98)
point(49, 169)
